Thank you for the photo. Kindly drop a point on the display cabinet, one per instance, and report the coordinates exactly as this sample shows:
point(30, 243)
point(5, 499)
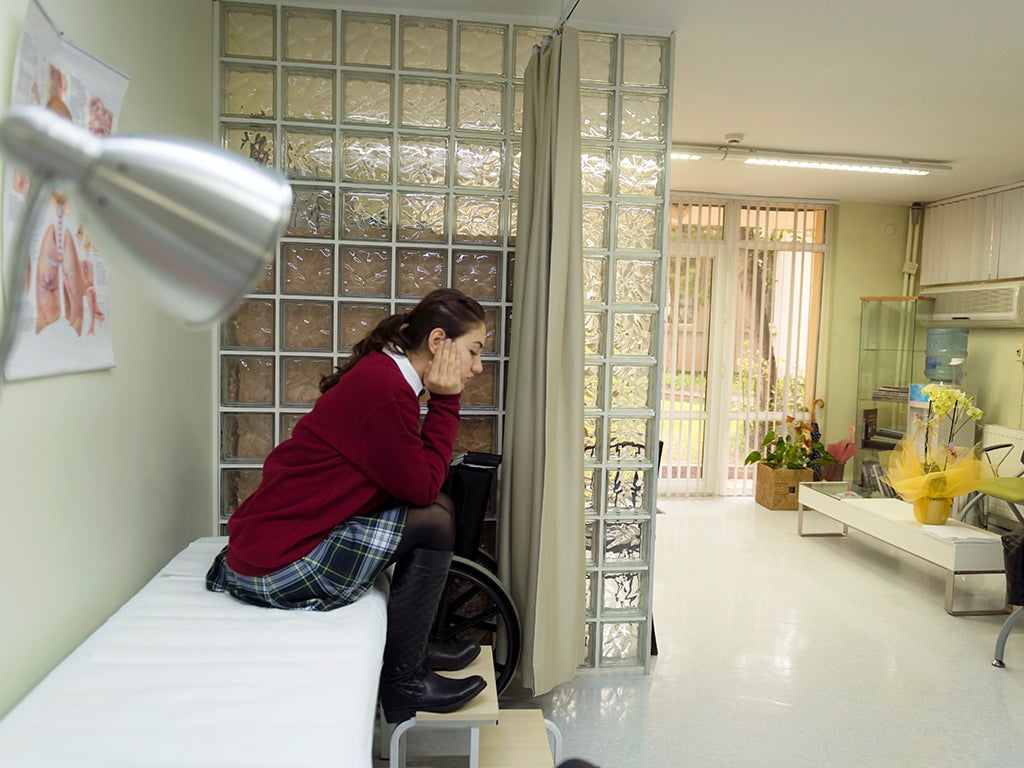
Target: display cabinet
point(891, 357)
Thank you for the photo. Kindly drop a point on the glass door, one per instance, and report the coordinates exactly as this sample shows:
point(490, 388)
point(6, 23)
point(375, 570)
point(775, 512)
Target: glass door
point(742, 321)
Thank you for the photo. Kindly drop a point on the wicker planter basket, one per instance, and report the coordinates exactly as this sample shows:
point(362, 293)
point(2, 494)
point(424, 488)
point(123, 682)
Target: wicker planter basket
point(777, 488)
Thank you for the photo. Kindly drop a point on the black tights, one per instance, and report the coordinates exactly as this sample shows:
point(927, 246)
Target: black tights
point(430, 527)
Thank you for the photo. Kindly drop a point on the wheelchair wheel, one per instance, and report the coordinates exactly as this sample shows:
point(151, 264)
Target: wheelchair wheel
point(475, 606)
point(486, 559)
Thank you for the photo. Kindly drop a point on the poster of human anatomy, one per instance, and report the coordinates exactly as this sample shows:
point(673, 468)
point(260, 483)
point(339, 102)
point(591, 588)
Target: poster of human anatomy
point(65, 310)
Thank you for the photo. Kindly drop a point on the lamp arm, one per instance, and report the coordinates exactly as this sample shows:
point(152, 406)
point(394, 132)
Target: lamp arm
point(38, 195)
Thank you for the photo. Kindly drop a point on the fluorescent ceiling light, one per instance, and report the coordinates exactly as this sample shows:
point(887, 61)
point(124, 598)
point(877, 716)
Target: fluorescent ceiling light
point(754, 156)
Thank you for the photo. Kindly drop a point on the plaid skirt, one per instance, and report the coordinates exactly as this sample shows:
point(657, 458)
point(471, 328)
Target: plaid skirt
point(337, 572)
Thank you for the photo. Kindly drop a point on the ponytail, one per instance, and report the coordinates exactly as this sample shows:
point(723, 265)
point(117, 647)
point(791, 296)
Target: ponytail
point(446, 308)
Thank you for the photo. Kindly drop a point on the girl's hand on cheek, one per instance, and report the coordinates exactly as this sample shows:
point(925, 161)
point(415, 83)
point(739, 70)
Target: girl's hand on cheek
point(443, 376)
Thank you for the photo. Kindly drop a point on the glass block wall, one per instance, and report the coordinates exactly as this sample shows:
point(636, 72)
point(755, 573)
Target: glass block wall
point(401, 135)
point(625, 107)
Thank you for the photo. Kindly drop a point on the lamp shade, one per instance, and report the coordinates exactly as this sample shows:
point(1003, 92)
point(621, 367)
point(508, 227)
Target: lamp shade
point(201, 221)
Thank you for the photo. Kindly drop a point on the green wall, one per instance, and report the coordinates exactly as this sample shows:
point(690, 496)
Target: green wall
point(869, 252)
point(996, 375)
point(107, 474)
point(868, 255)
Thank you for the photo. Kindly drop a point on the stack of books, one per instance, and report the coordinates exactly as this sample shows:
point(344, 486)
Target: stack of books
point(875, 437)
point(872, 479)
point(885, 439)
point(891, 394)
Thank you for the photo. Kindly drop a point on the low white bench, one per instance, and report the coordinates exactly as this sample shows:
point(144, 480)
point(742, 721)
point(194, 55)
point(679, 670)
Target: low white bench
point(183, 677)
point(957, 547)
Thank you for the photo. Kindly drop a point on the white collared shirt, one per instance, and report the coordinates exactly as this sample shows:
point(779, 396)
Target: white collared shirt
point(405, 366)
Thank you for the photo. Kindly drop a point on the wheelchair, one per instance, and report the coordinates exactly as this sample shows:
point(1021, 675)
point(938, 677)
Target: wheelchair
point(474, 604)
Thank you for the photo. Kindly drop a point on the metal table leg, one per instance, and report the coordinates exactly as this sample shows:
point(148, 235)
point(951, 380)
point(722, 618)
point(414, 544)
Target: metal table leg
point(951, 586)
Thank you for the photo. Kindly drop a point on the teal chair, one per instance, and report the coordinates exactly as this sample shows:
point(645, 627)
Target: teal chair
point(1008, 625)
point(1010, 490)
point(1013, 556)
point(1007, 489)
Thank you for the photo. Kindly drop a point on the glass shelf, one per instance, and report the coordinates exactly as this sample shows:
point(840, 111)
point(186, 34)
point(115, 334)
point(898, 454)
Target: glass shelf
point(843, 490)
point(891, 357)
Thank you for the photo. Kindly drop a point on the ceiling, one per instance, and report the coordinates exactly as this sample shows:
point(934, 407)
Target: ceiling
point(932, 80)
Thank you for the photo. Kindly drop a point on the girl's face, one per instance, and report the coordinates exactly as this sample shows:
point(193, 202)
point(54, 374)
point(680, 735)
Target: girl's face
point(470, 346)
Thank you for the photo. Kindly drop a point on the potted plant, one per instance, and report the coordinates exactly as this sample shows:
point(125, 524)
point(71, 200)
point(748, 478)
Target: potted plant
point(784, 460)
point(931, 478)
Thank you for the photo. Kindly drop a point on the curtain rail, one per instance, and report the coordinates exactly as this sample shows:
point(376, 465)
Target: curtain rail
point(564, 21)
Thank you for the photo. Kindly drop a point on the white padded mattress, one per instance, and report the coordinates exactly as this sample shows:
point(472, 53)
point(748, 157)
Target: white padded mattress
point(182, 677)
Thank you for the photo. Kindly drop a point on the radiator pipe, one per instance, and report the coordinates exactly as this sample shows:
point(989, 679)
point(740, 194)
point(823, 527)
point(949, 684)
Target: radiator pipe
point(909, 271)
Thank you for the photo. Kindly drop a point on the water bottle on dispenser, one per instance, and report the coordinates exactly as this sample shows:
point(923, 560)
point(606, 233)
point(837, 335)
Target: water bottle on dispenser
point(946, 363)
point(945, 356)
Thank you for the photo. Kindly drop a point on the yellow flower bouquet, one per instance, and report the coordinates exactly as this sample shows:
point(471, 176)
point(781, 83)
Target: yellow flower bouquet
point(932, 480)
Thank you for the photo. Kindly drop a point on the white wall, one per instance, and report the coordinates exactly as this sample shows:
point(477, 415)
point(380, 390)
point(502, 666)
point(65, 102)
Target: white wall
point(104, 475)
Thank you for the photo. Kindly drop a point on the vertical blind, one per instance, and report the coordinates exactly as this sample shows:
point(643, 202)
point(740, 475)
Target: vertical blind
point(978, 237)
point(744, 300)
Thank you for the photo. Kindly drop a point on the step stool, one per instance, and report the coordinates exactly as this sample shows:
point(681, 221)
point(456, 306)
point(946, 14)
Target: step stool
point(499, 738)
point(519, 740)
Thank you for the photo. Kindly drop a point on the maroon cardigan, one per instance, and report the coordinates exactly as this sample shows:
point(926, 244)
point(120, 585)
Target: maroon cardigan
point(360, 449)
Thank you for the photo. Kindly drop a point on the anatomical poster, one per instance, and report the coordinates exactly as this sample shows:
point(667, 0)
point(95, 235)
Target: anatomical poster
point(64, 323)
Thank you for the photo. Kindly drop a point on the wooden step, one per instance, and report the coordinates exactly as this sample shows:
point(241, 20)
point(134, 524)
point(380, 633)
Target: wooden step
point(482, 710)
point(508, 738)
point(519, 740)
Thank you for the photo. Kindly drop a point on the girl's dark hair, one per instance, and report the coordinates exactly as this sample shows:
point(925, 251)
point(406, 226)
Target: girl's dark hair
point(449, 309)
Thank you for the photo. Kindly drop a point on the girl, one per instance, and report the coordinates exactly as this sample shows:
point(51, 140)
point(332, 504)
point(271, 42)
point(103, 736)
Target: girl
point(357, 487)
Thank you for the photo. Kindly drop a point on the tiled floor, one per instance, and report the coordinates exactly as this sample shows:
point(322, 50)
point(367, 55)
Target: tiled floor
point(777, 650)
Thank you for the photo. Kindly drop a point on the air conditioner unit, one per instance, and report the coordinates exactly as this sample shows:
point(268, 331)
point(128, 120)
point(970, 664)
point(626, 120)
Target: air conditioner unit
point(974, 305)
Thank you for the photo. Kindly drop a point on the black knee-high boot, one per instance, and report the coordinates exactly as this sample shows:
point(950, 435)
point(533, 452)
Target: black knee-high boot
point(451, 656)
point(406, 685)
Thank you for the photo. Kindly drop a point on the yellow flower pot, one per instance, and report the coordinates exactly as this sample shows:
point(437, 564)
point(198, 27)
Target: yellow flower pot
point(929, 511)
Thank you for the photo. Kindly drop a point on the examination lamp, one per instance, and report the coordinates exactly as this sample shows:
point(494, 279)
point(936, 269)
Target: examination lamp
point(201, 221)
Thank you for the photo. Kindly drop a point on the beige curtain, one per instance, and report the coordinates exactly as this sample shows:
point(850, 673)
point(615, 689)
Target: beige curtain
point(541, 520)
